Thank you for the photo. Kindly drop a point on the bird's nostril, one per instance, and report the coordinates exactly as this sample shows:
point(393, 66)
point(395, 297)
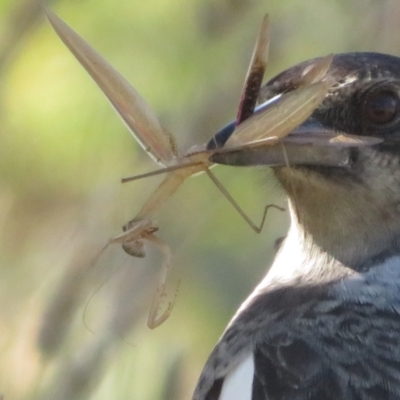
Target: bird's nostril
point(354, 155)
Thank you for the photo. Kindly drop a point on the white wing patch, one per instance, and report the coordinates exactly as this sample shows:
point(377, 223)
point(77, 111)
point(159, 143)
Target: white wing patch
point(238, 383)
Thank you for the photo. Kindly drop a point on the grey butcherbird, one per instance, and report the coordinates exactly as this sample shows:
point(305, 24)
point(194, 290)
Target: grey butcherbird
point(324, 324)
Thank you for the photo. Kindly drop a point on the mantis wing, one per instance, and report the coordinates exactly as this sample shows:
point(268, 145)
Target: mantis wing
point(279, 117)
point(131, 107)
point(255, 73)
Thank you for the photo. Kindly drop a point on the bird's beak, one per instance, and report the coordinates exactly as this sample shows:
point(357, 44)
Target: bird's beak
point(308, 144)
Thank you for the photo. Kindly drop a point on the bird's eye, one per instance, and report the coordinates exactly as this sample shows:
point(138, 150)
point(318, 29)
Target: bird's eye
point(381, 108)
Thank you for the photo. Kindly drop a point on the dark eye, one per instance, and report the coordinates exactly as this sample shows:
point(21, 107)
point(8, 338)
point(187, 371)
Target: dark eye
point(381, 108)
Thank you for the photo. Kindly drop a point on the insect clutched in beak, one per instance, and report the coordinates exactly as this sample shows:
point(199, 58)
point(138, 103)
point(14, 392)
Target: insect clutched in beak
point(240, 143)
point(309, 143)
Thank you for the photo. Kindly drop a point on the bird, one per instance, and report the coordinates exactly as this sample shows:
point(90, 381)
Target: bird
point(324, 323)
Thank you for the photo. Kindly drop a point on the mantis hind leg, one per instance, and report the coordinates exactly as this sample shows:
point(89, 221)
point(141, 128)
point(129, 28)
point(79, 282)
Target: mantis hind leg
point(256, 228)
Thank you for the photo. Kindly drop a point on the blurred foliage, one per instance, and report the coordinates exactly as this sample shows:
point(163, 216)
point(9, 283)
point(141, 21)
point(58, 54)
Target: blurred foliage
point(73, 325)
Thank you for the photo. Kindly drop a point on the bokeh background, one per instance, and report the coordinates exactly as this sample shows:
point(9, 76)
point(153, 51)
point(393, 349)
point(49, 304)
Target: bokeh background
point(73, 325)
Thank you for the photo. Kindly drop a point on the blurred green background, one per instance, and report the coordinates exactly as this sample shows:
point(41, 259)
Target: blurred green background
point(73, 325)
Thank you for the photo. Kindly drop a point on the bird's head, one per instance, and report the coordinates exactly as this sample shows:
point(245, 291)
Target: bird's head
point(350, 210)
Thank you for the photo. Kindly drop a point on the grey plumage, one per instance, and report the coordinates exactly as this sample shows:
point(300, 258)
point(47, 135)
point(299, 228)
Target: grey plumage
point(325, 322)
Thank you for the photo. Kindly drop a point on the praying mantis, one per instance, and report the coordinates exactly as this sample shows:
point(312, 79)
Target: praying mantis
point(265, 127)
